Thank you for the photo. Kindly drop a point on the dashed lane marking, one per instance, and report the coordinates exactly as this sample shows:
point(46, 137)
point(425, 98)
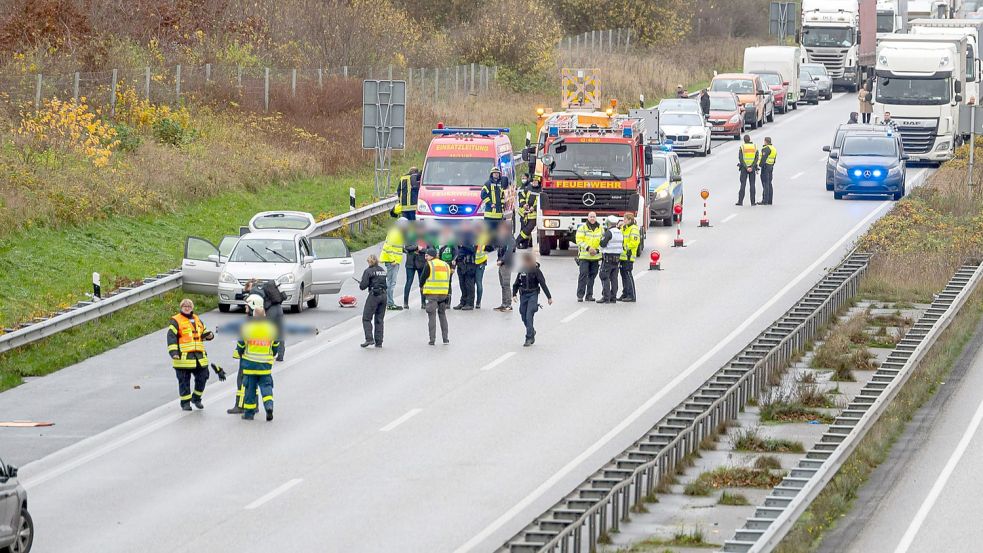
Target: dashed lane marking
point(273, 494)
point(409, 415)
point(729, 217)
point(503, 358)
point(574, 315)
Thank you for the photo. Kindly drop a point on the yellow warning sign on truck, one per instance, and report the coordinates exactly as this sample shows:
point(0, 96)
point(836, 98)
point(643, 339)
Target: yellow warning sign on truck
point(581, 88)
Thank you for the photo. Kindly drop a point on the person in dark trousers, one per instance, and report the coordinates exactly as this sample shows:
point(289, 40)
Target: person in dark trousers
point(373, 280)
point(705, 103)
point(408, 192)
point(612, 246)
point(588, 239)
point(272, 304)
point(467, 269)
point(414, 247)
point(493, 198)
point(256, 351)
point(506, 255)
point(767, 163)
point(632, 240)
point(747, 163)
point(186, 337)
point(528, 284)
point(436, 290)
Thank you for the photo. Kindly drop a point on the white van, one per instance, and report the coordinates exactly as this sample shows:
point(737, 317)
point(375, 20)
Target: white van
point(784, 60)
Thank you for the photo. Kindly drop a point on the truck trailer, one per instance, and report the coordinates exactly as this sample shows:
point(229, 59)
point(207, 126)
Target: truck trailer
point(972, 29)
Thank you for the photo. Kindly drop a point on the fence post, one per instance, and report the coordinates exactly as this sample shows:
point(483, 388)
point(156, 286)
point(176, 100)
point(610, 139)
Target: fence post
point(208, 73)
point(146, 82)
point(344, 71)
point(592, 41)
point(495, 74)
point(266, 89)
point(577, 49)
point(293, 83)
point(112, 93)
point(627, 39)
point(610, 40)
point(472, 78)
point(457, 73)
point(436, 84)
point(409, 85)
point(177, 83)
point(320, 78)
point(75, 87)
point(37, 92)
point(619, 37)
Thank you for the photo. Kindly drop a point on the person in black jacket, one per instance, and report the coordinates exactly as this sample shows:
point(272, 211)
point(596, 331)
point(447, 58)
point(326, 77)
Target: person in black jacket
point(506, 252)
point(373, 280)
point(528, 283)
point(464, 261)
point(416, 261)
point(705, 103)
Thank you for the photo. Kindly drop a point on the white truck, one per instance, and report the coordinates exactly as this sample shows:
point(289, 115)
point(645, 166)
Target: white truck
point(919, 80)
point(972, 29)
point(892, 16)
point(928, 9)
point(784, 60)
point(842, 35)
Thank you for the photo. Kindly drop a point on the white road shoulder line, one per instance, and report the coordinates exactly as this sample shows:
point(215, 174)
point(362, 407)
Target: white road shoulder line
point(797, 175)
point(273, 494)
point(552, 481)
point(729, 217)
point(940, 482)
point(573, 315)
point(409, 415)
point(503, 358)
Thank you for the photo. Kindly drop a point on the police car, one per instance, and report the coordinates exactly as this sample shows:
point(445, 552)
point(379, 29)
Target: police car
point(665, 186)
point(870, 164)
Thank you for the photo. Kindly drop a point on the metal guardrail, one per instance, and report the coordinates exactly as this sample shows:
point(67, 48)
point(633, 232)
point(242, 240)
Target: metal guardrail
point(790, 499)
point(604, 500)
point(86, 311)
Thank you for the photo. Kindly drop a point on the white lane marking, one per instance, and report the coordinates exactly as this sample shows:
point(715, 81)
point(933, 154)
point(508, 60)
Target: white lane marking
point(503, 358)
point(409, 415)
point(940, 482)
point(729, 217)
point(573, 315)
point(663, 392)
point(278, 491)
point(797, 175)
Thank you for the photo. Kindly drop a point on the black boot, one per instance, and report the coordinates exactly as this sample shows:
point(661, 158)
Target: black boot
point(185, 405)
point(367, 343)
point(197, 403)
point(269, 415)
point(235, 411)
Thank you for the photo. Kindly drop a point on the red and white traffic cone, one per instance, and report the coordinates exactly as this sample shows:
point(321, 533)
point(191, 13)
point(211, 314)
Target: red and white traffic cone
point(654, 264)
point(705, 221)
point(678, 242)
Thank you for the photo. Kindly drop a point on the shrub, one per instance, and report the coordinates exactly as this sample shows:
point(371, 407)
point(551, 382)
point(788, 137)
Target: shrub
point(519, 34)
point(728, 498)
point(767, 462)
point(66, 127)
point(750, 439)
point(127, 137)
point(172, 132)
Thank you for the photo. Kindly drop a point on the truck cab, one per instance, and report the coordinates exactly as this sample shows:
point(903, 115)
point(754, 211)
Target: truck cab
point(969, 28)
point(842, 35)
point(920, 82)
point(892, 17)
point(457, 164)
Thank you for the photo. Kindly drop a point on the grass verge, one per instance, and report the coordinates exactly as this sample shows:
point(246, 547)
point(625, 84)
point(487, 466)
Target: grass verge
point(681, 538)
point(750, 439)
point(735, 499)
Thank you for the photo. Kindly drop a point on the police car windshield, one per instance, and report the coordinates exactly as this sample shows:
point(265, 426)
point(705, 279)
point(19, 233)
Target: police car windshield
point(264, 251)
point(881, 146)
point(737, 86)
point(591, 160)
point(456, 171)
point(682, 119)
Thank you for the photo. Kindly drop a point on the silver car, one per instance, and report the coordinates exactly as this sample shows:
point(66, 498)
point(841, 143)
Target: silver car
point(822, 79)
point(302, 267)
point(16, 524)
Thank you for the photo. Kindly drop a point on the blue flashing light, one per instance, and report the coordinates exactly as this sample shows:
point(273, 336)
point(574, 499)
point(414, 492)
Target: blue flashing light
point(554, 131)
point(666, 147)
point(477, 131)
point(857, 173)
point(626, 132)
point(877, 172)
point(469, 209)
point(438, 209)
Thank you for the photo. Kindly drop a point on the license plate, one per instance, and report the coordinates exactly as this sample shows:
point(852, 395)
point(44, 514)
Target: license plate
point(718, 128)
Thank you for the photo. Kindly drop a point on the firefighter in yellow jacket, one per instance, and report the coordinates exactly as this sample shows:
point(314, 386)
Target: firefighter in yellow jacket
point(186, 336)
point(256, 349)
point(633, 239)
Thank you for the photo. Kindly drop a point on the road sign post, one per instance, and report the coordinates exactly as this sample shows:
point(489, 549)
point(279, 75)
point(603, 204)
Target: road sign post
point(781, 19)
point(383, 126)
point(970, 124)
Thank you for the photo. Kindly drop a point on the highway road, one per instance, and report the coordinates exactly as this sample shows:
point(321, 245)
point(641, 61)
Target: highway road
point(926, 496)
point(415, 448)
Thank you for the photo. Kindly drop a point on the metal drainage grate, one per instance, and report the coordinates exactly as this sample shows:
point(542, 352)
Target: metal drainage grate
point(787, 501)
point(599, 504)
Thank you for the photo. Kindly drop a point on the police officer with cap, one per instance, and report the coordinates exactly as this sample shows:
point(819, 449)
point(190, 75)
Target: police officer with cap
point(373, 280)
point(612, 246)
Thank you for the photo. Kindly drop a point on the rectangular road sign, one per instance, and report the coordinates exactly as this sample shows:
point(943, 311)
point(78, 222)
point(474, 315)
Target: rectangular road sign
point(383, 115)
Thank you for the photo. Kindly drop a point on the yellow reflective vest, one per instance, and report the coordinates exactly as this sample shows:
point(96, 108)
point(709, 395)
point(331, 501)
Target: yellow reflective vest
point(187, 337)
point(772, 155)
point(392, 248)
point(632, 240)
point(407, 200)
point(749, 154)
point(480, 255)
point(439, 281)
point(257, 346)
point(587, 239)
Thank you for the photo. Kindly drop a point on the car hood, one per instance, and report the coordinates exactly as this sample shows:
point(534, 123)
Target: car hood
point(868, 161)
point(682, 129)
point(264, 271)
point(809, 84)
point(747, 98)
point(723, 114)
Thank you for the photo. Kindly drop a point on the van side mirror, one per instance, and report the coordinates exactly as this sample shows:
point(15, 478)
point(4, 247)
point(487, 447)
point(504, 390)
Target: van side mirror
point(834, 155)
point(676, 178)
point(215, 259)
point(959, 98)
point(959, 86)
point(649, 158)
point(308, 259)
point(826, 148)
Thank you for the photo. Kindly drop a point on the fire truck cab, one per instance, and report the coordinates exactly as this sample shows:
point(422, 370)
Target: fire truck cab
point(588, 166)
point(457, 164)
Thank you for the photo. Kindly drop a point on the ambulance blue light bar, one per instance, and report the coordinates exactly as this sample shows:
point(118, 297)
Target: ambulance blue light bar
point(478, 131)
point(554, 131)
point(626, 132)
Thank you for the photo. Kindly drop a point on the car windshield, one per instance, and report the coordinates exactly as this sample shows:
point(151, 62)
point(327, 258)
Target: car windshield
point(816, 69)
point(805, 76)
point(771, 79)
point(456, 171)
point(679, 105)
point(682, 119)
point(737, 86)
point(587, 160)
point(282, 221)
point(885, 22)
point(827, 37)
point(723, 103)
point(894, 90)
point(881, 146)
point(262, 250)
point(659, 169)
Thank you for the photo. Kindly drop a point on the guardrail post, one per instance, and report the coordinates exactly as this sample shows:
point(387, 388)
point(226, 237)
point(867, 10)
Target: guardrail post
point(615, 511)
point(592, 533)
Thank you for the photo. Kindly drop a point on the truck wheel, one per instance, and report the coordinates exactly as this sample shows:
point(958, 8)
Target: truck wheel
point(224, 307)
point(641, 245)
point(545, 246)
point(795, 106)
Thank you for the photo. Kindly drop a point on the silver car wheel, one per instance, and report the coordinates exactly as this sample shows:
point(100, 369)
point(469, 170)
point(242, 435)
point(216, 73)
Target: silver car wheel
point(24, 534)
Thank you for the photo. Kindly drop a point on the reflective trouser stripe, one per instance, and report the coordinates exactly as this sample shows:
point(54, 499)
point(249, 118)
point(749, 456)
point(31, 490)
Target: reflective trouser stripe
point(267, 398)
point(186, 398)
point(198, 393)
point(257, 372)
point(249, 406)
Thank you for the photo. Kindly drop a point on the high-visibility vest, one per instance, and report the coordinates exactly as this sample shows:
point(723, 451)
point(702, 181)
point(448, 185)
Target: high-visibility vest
point(480, 255)
point(616, 245)
point(528, 202)
point(190, 339)
point(494, 204)
point(258, 340)
point(632, 240)
point(392, 248)
point(772, 155)
point(439, 281)
point(406, 200)
point(749, 152)
point(586, 239)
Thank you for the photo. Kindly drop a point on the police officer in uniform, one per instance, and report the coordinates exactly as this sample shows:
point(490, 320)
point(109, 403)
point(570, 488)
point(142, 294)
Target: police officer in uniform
point(436, 290)
point(493, 198)
point(465, 262)
point(588, 256)
point(767, 163)
point(632, 240)
point(408, 192)
point(186, 336)
point(612, 246)
point(373, 280)
point(747, 162)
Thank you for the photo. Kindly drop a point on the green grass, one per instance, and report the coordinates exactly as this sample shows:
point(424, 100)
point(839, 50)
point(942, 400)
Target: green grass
point(680, 538)
point(750, 439)
point(736, 499)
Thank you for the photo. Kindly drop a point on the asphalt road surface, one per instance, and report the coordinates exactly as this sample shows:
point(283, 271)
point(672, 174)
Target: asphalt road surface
point(415, 448)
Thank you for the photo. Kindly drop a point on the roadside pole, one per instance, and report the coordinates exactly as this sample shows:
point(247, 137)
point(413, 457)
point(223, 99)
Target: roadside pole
point(972, 145)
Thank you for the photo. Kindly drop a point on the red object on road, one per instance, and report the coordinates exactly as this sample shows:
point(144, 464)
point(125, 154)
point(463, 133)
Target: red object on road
point(348, 301)
point(678, 242)
point(654, 258)
point(705, 221)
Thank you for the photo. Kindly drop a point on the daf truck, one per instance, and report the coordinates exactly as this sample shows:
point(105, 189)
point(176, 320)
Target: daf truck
point(972, 29)
point(919, 80)
point(841, 35)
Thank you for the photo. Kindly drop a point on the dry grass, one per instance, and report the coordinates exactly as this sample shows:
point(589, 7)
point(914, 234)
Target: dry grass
point(739, 477)
point(750, 439)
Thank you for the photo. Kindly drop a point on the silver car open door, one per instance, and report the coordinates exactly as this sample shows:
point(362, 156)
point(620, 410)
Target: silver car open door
point(201, 266)
point(332, 265)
